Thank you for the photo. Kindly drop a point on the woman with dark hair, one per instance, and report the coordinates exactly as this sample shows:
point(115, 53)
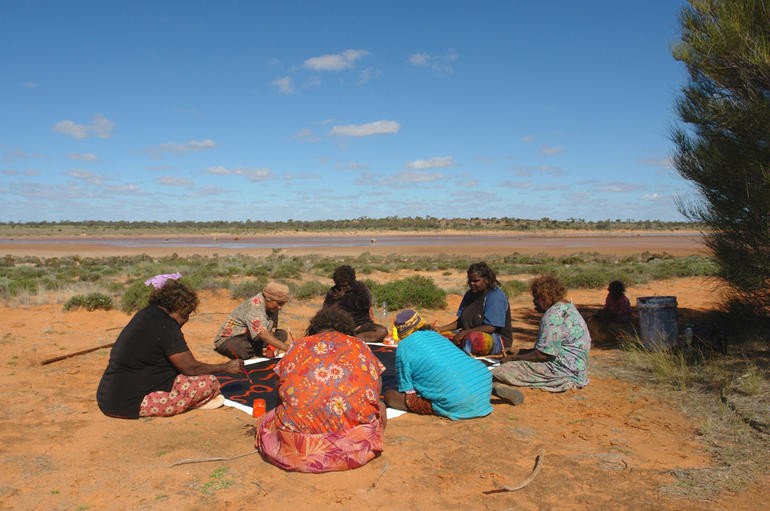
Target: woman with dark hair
point(151, 372)
point(559, 359)
point(483, 324)
point(330, 416)
point(353, 297)
point(617, 306)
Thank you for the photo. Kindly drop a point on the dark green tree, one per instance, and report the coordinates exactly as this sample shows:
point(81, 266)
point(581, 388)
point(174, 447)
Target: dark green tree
point(723, 145)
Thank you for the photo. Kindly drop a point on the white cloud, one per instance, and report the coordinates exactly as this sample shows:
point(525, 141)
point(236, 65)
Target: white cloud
point(212, 190)
point(365, 130)
point(368, 74)
point(432, 163)
point(352, 165)
point(306, 135)
point(618, 187)
point(551, 150)
point(419, 59)
point(82, 156)
point(18, 154)
point(127, 188)
point(518, 185)
point(665, 163)
point(191, 146)
point(100, 126)
point(653, 196)
point(579, 197)
point(29, 85)
point(250, 174)
point(86, 176)
point(441, 64)
point(526, 171)
point(173, 181)
point(528, 139)
point(71, 129)
point(336, 61)
point(479, 196)
point(284, 85)
point(418, 177)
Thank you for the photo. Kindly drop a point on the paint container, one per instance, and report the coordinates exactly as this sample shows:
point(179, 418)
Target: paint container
point(258, 408)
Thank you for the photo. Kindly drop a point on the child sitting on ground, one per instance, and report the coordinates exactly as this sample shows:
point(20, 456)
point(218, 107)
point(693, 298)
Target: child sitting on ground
point(617, 307)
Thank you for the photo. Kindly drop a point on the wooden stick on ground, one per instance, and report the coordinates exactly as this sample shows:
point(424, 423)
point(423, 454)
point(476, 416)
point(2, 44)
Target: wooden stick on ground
point(75, 354)
point(525, 482)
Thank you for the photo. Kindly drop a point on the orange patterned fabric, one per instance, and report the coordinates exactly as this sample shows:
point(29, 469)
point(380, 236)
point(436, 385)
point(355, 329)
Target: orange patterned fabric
point(329, 416)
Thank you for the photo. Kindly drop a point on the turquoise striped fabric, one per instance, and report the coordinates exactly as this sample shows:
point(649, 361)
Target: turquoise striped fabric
point(457, 385)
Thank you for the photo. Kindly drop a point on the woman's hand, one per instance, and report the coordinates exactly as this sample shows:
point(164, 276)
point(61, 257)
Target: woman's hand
point(234, 366)
point(530, 355)
point(188, 365)
point(460, 336)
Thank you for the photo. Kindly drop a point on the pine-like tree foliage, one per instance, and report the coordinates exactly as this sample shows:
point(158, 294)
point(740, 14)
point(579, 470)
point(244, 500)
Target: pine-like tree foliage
point(723, 147)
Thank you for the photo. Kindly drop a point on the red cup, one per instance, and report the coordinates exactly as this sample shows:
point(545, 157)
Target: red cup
point(258, 408)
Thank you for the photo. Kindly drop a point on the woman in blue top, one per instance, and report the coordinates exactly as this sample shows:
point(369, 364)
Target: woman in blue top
point(434, 377)
point(483, 324)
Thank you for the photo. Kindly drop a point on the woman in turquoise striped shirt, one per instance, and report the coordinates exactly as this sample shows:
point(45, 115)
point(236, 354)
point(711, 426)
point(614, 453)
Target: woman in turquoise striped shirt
point(435, 377)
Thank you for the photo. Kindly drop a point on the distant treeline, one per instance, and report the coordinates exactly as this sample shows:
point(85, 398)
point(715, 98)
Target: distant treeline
point(391, 223)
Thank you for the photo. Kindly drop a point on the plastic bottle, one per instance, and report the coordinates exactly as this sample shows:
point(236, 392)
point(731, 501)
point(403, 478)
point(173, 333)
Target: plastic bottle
point(384, 320)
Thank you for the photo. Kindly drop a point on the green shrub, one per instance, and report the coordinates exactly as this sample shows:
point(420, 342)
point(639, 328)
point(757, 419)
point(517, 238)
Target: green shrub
point(288, 270)
point(135, 297)
point(8, 287)
point(14, 286)
point(310, 290)
point(585, 278)
point(513, 287)
point(248, 288)
point(89, 302)
point(419, 292)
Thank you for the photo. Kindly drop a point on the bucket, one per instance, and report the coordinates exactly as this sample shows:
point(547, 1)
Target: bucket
point(657, 321)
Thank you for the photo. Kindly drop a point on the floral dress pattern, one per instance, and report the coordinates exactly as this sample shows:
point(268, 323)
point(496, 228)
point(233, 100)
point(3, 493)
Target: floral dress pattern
point(249, 319)
point(329, 416)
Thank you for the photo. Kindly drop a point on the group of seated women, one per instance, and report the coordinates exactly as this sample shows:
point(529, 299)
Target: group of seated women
point(332, 407)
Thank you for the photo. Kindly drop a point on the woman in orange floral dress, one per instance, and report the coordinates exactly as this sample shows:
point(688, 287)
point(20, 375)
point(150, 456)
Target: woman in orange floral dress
point(330, 416)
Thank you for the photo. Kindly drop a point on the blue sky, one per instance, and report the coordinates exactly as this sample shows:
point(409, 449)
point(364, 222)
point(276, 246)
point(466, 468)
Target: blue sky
point(241, 110)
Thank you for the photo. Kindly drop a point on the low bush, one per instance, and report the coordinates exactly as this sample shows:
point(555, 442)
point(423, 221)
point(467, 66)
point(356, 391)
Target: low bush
point(89, 302)
point(513, 287)
point(310, 290)
point(417, 292)
point(135, 297)
point(248, 288)
point(585, 278)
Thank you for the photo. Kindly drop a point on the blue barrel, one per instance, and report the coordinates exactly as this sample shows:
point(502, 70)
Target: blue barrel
point(658, 327)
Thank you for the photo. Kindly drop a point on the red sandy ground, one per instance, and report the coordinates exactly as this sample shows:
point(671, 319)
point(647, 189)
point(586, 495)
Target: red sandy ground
point(611, 445)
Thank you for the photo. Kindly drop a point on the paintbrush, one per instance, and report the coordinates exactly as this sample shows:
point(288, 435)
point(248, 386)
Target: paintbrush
point(235, 356)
